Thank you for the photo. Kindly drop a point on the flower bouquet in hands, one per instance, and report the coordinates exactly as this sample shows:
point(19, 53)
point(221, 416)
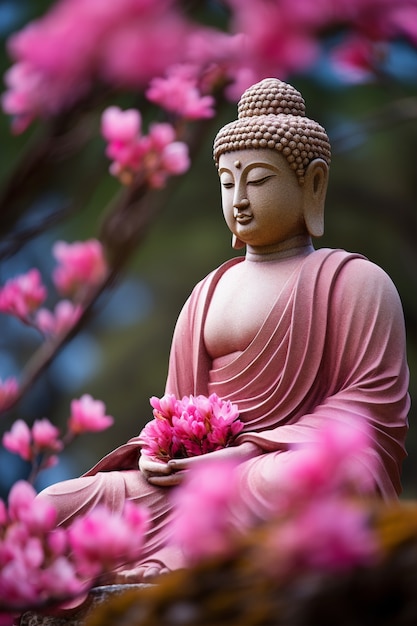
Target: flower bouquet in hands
point(189, 427)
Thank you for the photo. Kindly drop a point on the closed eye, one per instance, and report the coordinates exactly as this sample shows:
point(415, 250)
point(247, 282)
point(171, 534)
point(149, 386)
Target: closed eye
point(228, 185)
point(260, 181)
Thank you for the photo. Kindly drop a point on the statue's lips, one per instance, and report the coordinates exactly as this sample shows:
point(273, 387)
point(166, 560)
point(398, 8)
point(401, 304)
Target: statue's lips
point(243, 218)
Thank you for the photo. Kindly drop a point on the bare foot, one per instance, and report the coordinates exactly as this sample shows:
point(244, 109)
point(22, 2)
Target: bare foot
point(144, 573)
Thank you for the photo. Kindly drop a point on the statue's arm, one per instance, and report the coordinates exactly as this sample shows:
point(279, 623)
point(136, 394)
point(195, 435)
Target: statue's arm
point(364, 373)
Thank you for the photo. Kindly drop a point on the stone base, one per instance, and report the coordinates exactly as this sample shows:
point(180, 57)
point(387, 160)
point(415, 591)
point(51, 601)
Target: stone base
point(77, 616)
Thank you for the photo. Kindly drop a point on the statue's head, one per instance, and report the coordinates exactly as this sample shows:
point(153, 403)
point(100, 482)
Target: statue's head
point(271, 114)
point(271, 120)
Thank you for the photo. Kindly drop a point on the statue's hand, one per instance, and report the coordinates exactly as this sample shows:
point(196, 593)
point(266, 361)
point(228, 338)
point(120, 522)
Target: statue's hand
point(239, 453)
point(159, 473)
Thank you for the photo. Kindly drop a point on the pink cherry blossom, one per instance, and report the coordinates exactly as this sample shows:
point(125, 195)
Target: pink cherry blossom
point(329, 534)
point(354, 59)
point(9, 389)
point(65, 316)
point(102, 540)
point(179, 93)
point(88, 415)
point(157, 440)
point(207, 505)
point(37, 515)
point(42, 439)
point(191, 426)
point(81, 264)
point(19, 440)
point(126, 58)
point(102, 39)
point(174, 158)
point(327, 465)
point(42, 564)
point(21, 296)
point(154, 156)
point(46, 436)
point(120, 126)
point(164, 407)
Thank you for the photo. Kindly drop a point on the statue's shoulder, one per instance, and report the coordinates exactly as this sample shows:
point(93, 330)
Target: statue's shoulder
point(356, 277)
point(210, 281)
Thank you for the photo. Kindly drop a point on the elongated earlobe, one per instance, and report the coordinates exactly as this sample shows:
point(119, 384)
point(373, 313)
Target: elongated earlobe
point(236, 243)
point(315, 188)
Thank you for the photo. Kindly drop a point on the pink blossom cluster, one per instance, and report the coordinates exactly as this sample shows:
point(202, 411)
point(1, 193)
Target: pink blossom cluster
point(207, 505)
point(59, 57)
point(324, 523)
point(88, 415)
point(156, 155)
point(81, 264)
point(284, 37)
point(29, 443)
point(189, 427)
point(41, 563)
point(40, 444)
point(318, 525)
point(21, 296)
point(64, 316)
point(179, 92)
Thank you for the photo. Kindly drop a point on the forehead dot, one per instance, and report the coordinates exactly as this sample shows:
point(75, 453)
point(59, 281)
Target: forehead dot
point(237, 164)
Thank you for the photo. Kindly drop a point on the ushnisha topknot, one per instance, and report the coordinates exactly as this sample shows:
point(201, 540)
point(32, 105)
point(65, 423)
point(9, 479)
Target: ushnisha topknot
point(271, 114)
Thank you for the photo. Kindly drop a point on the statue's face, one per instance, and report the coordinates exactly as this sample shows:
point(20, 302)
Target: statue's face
point(262, 199)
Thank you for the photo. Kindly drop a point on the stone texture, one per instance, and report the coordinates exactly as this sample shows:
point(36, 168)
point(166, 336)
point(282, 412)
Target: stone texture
point(78, 616)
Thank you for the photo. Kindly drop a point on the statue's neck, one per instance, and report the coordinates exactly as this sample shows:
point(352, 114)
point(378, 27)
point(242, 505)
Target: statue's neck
point(300, 245)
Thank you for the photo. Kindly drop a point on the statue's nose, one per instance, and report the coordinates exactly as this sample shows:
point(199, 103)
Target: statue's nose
point(243, 203)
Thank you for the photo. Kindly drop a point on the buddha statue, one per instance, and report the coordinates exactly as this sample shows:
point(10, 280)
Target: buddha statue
point(294, 335)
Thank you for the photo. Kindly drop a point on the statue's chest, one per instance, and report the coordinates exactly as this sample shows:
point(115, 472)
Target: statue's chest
point(237, 311)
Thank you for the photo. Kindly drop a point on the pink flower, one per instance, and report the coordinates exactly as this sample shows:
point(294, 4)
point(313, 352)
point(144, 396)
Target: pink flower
point(179, 93)
point(88, 415)
point(157, 440)
point(46, 436)
point(19, 440)
point(330, 534)
point(122, 129)
point(9, 389)
point(279, 38)
point(28, 443)
point(80, 265)
point(37, 515)
point(60, 579)
point(189, 427)
point(164, 407)
point(102, 39)
point(208, 507)
point(102, 540)
point(354, 59)
point(22, 96)
point(22, 295)
point(329, 464)
point(120, 126)
point(65, 316)
point(155, 156)
point(174, 158)
point(142, 47)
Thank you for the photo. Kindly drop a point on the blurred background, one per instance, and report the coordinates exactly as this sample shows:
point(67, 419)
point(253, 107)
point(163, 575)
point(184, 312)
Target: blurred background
point(121, 354)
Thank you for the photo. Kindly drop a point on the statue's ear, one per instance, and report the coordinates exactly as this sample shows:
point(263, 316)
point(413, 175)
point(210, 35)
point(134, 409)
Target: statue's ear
point(236, 243)
point(315, 187)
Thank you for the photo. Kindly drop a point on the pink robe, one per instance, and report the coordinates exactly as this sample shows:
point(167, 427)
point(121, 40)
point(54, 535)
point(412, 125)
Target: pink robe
point(332, 345)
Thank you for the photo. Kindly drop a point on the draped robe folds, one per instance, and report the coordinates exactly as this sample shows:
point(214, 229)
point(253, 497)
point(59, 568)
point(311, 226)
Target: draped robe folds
point(331, 348)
